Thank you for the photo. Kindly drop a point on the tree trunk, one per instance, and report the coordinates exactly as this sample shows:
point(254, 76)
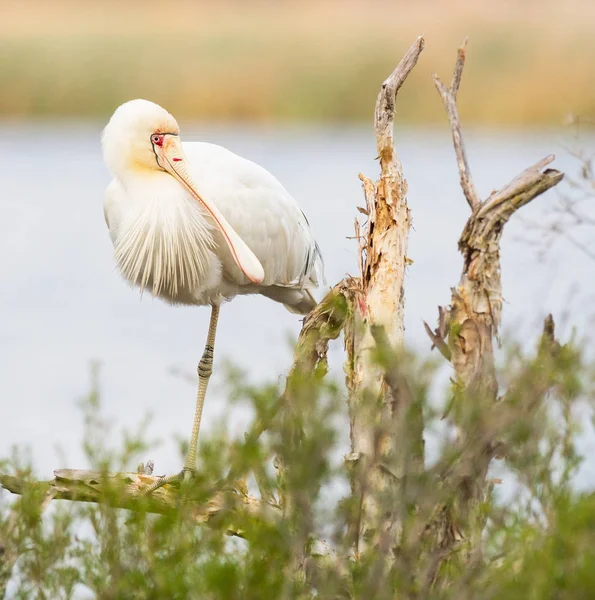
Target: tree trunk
point(377, 325)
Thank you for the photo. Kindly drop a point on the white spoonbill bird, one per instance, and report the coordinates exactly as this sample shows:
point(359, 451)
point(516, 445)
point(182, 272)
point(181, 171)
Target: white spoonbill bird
point(194, 223)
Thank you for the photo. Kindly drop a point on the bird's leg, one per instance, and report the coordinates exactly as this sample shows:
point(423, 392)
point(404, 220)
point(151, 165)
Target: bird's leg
point(205, 368)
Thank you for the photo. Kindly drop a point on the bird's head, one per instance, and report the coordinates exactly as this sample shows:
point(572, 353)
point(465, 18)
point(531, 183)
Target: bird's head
point(142, 138)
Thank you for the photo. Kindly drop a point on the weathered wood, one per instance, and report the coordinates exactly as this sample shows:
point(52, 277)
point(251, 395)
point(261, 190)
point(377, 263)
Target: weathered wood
point(127, 490)
point(467, 329)
point(378, 306)
point(474, 317)
point(449, 96)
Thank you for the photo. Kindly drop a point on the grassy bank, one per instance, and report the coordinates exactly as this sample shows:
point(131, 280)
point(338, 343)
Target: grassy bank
point(529, 62)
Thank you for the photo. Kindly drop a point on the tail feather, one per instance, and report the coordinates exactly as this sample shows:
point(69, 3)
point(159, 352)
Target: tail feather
point(296, 301)
point(304, 306)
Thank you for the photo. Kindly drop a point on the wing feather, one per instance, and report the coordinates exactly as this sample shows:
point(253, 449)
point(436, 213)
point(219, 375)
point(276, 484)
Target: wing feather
point(263, 214)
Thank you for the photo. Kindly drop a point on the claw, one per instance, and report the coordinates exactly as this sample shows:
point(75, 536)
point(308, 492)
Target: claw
point(185, 475)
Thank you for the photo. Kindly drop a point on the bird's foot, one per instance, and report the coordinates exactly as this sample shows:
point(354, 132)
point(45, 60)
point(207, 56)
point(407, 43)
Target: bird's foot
point(185, 475)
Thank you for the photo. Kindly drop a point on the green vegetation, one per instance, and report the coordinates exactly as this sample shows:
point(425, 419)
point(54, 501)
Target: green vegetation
point(469, 491)
point(537, 542)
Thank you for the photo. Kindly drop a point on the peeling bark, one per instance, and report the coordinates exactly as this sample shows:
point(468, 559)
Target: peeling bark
point(468, 328)
point(378, 311)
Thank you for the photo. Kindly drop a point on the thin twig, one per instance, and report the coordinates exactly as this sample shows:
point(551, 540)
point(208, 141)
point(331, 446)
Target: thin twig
point(579, 245)
point(438, 342)
point(458, 71)
point(449, 96)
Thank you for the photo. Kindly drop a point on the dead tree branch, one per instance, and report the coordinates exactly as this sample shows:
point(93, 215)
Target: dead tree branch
point(467, 329)
point(378, 306)
point(126, 490)
point(449, 97)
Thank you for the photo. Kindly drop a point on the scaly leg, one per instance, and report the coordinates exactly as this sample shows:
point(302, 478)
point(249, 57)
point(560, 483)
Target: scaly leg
point(205, 368)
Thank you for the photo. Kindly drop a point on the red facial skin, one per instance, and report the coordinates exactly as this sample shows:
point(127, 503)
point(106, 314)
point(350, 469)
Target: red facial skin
point(157, 139)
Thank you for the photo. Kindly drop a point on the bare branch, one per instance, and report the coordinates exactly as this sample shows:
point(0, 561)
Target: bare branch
point(522, 189)
point(579, 245)
point(474, 318)
point(457, 138)
point(570, 218)
point(458, 71)
point(449, 96)
point(126, 490)
point(384, 115)
point(438, 342)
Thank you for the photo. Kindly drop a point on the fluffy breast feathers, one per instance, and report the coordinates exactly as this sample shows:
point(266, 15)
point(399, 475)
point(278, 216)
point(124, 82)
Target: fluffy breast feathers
point(162, 240)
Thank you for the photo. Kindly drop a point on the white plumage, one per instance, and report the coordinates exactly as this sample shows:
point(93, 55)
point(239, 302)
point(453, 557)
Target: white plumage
point(194, 223)
point(166, 242)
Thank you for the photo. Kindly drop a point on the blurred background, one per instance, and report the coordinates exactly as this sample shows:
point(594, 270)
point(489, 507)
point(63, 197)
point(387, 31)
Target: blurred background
point(530, 61)
point(292, 86)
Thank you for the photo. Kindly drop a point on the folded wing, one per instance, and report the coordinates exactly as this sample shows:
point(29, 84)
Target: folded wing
point(262, 213)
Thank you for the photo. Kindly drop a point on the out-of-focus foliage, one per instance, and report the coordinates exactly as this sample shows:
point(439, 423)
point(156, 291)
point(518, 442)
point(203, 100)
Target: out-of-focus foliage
point(531, 61)
point(537, 527)
point(572, 217)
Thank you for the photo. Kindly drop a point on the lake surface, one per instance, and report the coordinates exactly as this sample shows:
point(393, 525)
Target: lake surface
point(63, 304)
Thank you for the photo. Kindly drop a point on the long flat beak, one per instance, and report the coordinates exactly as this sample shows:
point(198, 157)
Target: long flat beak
point(173, 160)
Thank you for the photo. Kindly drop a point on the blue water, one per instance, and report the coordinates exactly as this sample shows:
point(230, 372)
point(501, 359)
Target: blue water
point(63, 304)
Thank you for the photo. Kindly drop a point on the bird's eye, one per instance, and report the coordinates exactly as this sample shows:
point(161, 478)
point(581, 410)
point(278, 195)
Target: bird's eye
point(157, 139)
